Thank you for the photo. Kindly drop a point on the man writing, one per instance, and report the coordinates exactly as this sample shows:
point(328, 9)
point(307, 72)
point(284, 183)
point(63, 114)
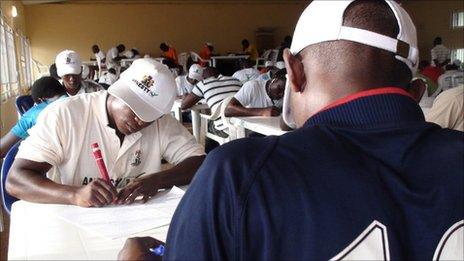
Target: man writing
point(128, 123)
point(356, 180)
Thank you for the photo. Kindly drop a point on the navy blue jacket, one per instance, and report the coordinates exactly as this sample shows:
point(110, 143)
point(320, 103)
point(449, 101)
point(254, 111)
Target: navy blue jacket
point(368, 171)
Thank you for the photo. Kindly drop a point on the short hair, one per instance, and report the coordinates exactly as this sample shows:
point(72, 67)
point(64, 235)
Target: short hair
point(437, 40)
point(245, 42)
point(121, 46)
point(210, 72)
point(375, 16)
point(164, 46)
point(112, 70)
point(53, 71)
point(46, 87)
point(280, 74)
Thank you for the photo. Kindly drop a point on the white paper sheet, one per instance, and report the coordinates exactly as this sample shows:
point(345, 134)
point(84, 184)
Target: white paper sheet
point(122, 221)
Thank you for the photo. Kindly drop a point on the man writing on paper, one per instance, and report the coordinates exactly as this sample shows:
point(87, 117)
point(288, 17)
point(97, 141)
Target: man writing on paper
point(364, 177)
point(134, 135)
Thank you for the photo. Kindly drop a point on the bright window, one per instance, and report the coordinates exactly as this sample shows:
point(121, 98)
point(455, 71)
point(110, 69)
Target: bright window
point(457, 19)
point(457, 54)
point(16, 62)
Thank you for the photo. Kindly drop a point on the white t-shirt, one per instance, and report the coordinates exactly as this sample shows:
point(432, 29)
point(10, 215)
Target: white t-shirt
point(110, 56)
point(253, 95)
point(99, 56)
point(448, 109)
point(183, 86)
point(65, 131)
point(108, 78)
point(246, 75)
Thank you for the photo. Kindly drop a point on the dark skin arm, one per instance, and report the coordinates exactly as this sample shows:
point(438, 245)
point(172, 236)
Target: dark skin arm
point(6, 142)
point(236, 109)
point(189, 100)
point(148, 186)
point(137, 248)
point(27, 181)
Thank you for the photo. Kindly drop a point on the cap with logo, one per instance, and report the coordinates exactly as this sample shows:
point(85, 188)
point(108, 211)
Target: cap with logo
point(147, 87)
point(68, 62)
point(329, 13)
point(196, 72)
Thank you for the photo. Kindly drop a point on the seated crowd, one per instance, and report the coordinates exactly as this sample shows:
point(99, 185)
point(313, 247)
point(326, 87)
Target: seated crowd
point(360, 153)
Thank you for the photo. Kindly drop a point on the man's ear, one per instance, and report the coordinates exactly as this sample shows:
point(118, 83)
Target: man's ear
point(417, 88)
point(295, 71)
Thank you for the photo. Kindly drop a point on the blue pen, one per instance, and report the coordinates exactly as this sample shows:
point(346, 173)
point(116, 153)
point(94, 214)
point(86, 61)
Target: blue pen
point(159, 251)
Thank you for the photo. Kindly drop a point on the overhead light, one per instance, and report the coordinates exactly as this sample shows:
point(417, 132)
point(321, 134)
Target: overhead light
point(14, 11)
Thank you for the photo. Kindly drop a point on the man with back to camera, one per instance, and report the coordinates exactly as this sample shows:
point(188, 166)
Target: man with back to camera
point(364, 177)
point(129, 123)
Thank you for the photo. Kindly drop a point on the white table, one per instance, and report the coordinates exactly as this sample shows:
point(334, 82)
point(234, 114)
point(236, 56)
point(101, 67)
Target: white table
point(90, 63)
point(37, 233)
point(195, 111)
point(263, 125)
point(228, 57)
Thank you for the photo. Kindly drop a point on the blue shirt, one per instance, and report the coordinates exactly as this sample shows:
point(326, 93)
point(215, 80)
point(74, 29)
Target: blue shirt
point(29, 118)
point(367, 170)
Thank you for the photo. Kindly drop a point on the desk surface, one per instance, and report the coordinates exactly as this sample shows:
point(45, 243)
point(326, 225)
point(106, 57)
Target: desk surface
point(37, 233)
point(263, 125)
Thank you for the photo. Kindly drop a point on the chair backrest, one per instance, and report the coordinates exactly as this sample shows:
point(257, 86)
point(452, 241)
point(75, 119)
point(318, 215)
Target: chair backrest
point(8, 200)
point(24, 103)
point(182, 58)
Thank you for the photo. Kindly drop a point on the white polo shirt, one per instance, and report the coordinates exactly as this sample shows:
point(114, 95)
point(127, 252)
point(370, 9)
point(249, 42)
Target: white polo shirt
point(246, 75)
point(65, 131)
point(253, 95)
point(183, 86)
point(110, 56)
point(99, 56)
point(108, 78)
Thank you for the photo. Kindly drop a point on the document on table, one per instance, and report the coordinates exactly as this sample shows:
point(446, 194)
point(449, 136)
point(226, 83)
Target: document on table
point(114, 222)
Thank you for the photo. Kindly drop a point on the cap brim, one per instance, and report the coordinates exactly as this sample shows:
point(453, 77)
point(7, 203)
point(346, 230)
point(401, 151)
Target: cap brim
point(145, 112)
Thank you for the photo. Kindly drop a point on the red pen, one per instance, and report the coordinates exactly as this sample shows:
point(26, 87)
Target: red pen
point(100, 163)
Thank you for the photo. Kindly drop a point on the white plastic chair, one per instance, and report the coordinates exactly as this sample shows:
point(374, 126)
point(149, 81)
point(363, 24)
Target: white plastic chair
point(219, 113)
point(182, 58)
point(196, 58)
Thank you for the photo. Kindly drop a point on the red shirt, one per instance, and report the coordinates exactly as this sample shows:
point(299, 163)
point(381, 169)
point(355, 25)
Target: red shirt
point(432, 73)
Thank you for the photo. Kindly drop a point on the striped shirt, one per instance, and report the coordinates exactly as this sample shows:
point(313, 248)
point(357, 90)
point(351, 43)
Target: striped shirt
point(214, 90)
point(440, 53)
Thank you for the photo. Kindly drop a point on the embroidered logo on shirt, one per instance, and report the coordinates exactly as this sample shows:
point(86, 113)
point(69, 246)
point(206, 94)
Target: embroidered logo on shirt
point(145, 84)
point(137, 158)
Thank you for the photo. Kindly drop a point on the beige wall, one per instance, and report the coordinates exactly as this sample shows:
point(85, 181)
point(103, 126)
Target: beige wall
point(52, 28)
point(7, 108)
point(433, 18)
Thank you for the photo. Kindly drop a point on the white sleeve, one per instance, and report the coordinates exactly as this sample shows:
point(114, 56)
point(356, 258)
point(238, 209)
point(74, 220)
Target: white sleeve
point(433, 54)
point(177, 144)
point(113, 53)
point(45, 142)
point(197, 90)
point(244, 95)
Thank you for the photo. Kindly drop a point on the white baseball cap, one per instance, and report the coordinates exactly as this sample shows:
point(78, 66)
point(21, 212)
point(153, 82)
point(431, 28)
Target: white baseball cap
point(196, 72)
point(147, 87)
point(329, 13)
point(68, 62)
